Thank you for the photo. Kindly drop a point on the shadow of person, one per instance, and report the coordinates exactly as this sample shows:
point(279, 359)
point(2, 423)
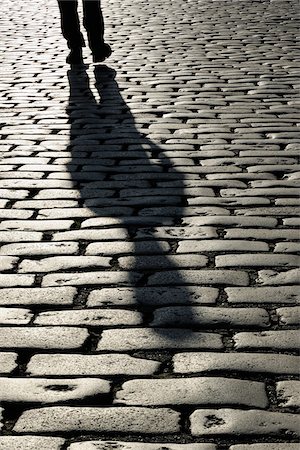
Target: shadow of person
point(125, 183)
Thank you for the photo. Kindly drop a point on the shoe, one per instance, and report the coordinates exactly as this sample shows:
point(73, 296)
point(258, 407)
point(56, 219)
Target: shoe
point(75, 56)
point(101, 53)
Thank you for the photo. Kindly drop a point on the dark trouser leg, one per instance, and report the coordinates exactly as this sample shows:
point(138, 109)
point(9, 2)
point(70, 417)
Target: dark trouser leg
point(70, 23)
point(93, 23)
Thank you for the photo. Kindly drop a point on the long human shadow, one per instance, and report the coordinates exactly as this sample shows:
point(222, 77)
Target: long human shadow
point(107, 129)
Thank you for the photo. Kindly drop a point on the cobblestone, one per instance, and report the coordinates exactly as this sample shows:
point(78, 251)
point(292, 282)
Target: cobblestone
point(67, 419)
point(62, 296)
point(210, 316)
point(29, 390)
point(90, 365)
point(193, 391)
point(148, 226)
point(104, 445)
point(30, 443)
point(232, 362)
point(288, 393)
point(152, 296)
point(142, 339)
point(7, 362)
point(42, 337)
point(232, 422)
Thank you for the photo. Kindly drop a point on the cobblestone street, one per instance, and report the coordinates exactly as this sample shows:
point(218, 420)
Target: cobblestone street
point(148, 225)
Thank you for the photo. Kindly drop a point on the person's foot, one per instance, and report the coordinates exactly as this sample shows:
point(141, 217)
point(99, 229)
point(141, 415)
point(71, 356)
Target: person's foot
point(101, 53)
point(75, 56)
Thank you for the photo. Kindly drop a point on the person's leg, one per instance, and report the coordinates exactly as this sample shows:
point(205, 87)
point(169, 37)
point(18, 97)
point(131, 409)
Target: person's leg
point(70, 23)
point(94, 25)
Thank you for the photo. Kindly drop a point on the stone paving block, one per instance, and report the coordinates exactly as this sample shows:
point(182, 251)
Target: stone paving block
point(30, 443)
point(36, 225)
point(269, 234)
point(156, 296)
point(210, 422)
point(288, 393)
point(221, 246)
point(7, 362)
point(121, 248)
point(210, 316)
point(229, 201)
point(190, 232)
point(15, 316)
point(91, 235)
point(14, 280)
point(236, 362)
point(89, 317)
point(161, 262)
point(278, 294)
point(41, 248)
point(8, 262)
point(154, 338)
point(289, 316)
point(254, 260)
point(42, 337)
point(51, 390)
point(88, 419)
point(216, 277)
point(90, 278)
point(16, 214)
point(90, 365)
point(273, 340)
point(122, 445)
point(287, 247)
point(193, 391)
point(239, 221)
point(264, 446)
point(272, 277)
point(271, 211)
point(55, 263)
point(53, 296)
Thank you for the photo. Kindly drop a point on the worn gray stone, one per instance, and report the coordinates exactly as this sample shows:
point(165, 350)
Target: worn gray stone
point(254, 259)
point(54, 296)
point(152, 296)
point(272, 277)
point(89, 317)
point(8, 262)
point(215, 277)
point(118, 445)
point(236, 362)
point(51, 390)
point(269, 446)
point(7, 362)
point(15, 280)
point(157, 338)
point(278, 294)
point(288, 393)
point(210, 316)
point(42, 337)
point(193, 391)
point(30, 443)
point(55, 263)
point(90, 365)
point(279, 339)
point(289, 316)
point(90, 278)
point(15, 316)
point(64, 419)
point(235, 422)
point(41, 248)
point(218, 245)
